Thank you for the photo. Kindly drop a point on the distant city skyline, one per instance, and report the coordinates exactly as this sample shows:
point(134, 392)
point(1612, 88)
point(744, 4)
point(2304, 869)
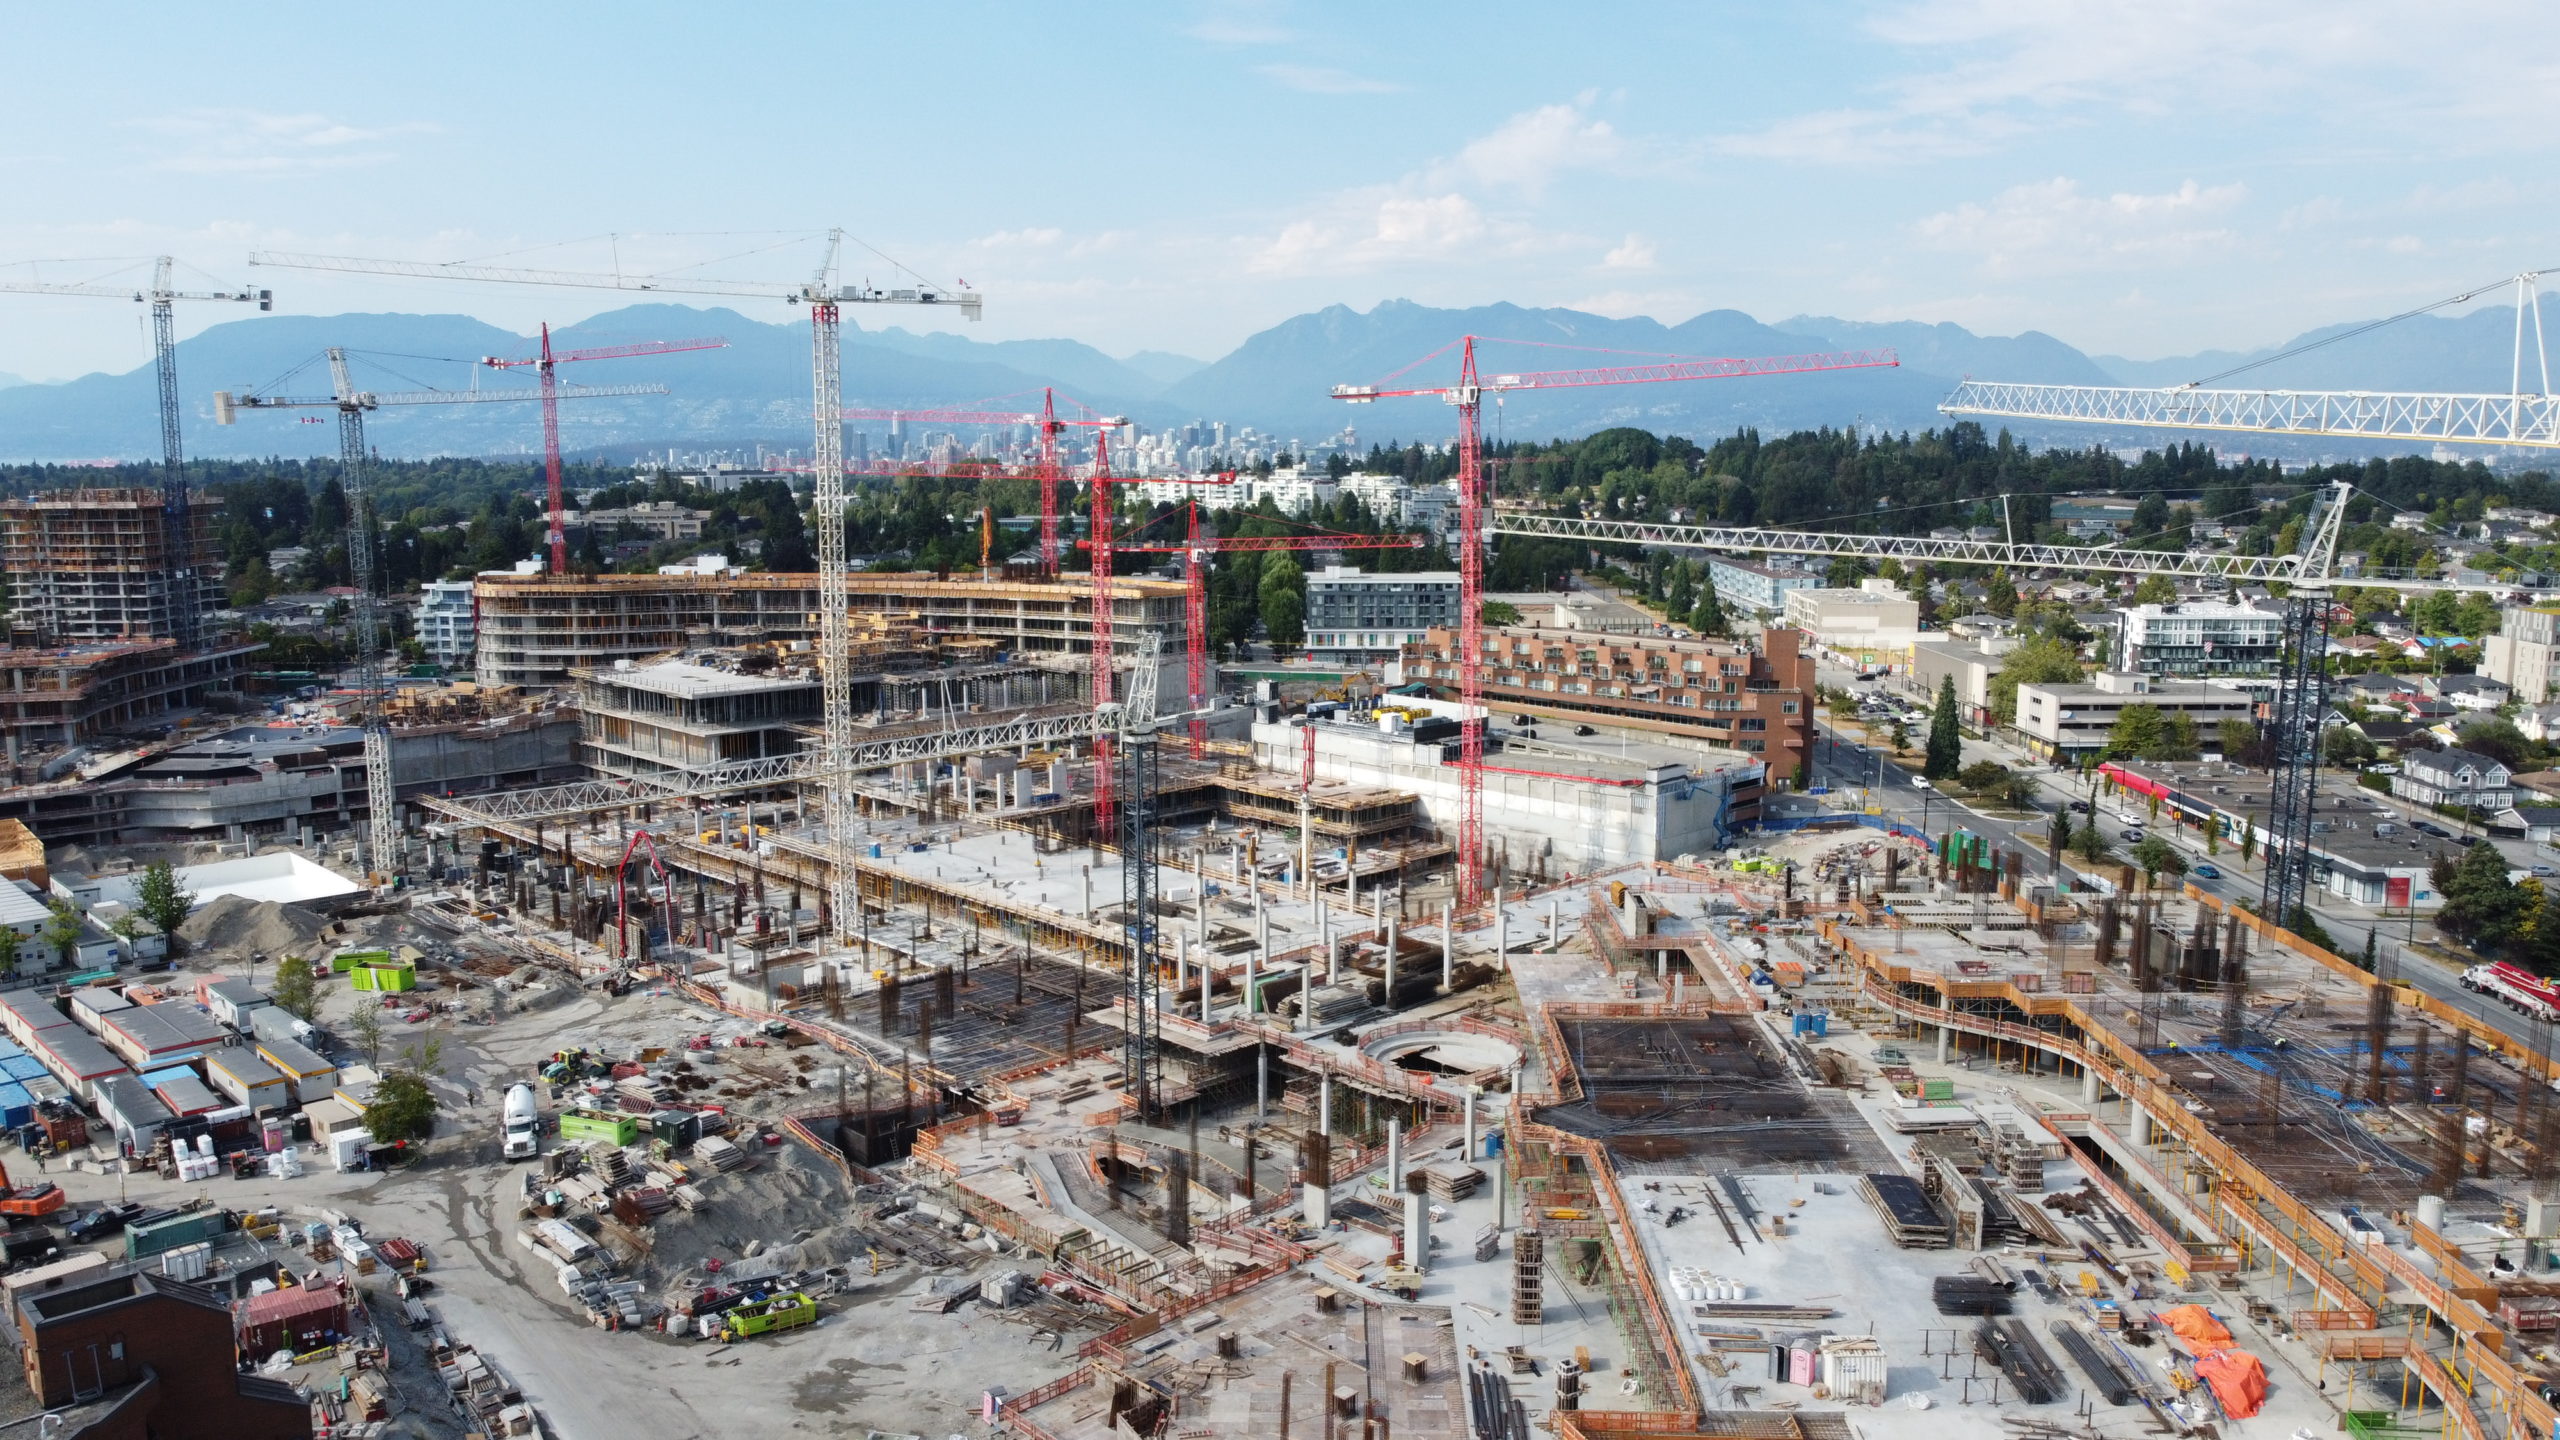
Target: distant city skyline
point(2148, 181)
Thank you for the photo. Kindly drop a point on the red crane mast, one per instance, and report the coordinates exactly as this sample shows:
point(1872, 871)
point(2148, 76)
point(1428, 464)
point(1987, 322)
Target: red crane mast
point(544, 365)
point(1047, 470)
point(1468, 396)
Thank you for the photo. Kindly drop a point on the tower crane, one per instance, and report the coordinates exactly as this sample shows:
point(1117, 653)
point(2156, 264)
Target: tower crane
point(1468, 396)
point(177, 527)
point(2523, 418)
point(381, 792)
point(1195, 550)
point(825, 294)
point(544, 365)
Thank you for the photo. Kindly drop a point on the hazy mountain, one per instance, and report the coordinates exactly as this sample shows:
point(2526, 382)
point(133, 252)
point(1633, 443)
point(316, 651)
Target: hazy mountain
point(1278, 381)
point(1945, 349)
point(7, 380)
point(2463, 354)
point(756, 389)
point(1163, 366)
point(1281, 379)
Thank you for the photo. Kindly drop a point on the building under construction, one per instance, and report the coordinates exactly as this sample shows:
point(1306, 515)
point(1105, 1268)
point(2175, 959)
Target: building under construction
point(539, 629)
point(103, 566)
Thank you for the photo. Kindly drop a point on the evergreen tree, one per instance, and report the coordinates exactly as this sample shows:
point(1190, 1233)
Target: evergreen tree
point(2482, 908)
point(1946, 742)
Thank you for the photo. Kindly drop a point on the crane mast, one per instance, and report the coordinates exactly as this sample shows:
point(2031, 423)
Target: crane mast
point(381, 796)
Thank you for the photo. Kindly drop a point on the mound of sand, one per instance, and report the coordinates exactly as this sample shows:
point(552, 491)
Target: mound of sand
point(236, 925)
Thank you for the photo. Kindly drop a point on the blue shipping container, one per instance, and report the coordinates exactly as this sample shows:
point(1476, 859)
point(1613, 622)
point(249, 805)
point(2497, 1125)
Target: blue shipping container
point(17, 1107)
point(21, 1067)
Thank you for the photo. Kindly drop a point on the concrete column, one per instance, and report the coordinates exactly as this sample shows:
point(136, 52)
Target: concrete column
point(1250, 1003)
point(1261, 1079)
point(1391, 960)
point(1467, 1150)
point(1395, 1154)
point(2089, 1087)
point(1448, 943)
point(1946, 1043)
point(1501, 934)
point(1417, 1231)
point(1088, 892)
point(2141, 1126)
point(1315, 1199)
point(1551, 924)
point(1182, 967)
point(1324, 1105)
point(1206, 976)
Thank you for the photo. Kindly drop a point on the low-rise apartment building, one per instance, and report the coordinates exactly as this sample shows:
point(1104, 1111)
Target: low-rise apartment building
point(1969, 663)
point(1874, 624)
point(2201, 637)
point(2071, 722)
point(1759, 701)
point(657, 519)
point(1354, 618)
point(1755, 588)
point(447, 620)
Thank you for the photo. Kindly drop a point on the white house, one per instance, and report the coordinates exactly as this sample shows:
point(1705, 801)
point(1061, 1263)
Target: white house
point(2454, 777)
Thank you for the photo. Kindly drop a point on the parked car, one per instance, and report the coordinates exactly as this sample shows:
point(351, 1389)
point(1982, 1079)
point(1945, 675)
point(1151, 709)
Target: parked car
point(2133, 834)
point(108, 1220)
point(2207, 872)
point(2466, 841)
point(2545, 871)
point(2429, 827)
point(2080, 805)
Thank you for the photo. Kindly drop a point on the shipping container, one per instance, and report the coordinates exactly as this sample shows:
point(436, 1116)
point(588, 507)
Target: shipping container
point(158, 1237)
point(248, 1080)
point(17, 1107)
point(187, 1262)
point(311, 1077)
point(26, 1014)
point(77, 1270)
point(91, 1006)
point(157, 1034)
point(346, 960)
point(578, 1125)
point(232, 1000)
point(1853, 1370)
point(787, 1311)
point(186, 1095)
point(387, 976)
point(19, 1065)
point(78, 1059)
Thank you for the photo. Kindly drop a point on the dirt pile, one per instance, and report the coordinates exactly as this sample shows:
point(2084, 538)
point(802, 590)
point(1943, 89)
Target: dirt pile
point(235, 925)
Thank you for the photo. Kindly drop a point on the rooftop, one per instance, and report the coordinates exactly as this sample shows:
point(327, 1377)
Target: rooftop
point(686, 680)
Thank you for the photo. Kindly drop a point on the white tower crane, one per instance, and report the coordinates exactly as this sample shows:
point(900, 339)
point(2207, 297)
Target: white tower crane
point(824, 293)
point(382, 804)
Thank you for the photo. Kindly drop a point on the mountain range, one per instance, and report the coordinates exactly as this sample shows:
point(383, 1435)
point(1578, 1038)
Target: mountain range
point(1278, 381)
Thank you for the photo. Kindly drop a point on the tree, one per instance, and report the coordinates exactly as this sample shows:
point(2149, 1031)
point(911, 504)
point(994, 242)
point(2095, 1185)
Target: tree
point(1899, 738)
point(2497, 738)
point(2482, 908)
point(402, 1110)
point(163, 900)
point(2154, 855)
point(1845, 573)
point(61, 929)
point(2369, 958)
point(2089, 845)
point(2238, 737)
point(2248, 841)
point(1708, 618)
point(1946, 743)
point(2062, 835)
point(1285, 616)
point(2346, 748)
point(2156, 590)
point(1499, 612)
point(1983, 774)
point(366, 1026)
point(2140, 732)
point(2044, 660)
point(297, 990)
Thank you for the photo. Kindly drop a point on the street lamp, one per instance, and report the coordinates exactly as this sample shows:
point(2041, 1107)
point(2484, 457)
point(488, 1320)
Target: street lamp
point(1927, 793)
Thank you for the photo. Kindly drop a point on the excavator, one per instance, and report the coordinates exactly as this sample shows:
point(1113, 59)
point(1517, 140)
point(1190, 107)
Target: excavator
point(29, 1202)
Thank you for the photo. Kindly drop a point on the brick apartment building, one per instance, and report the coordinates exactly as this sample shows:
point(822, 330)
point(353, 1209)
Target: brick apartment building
point(1759, 702)
point(137, 1356)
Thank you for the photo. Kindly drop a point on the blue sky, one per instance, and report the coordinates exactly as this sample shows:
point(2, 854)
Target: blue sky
point(2146, 180)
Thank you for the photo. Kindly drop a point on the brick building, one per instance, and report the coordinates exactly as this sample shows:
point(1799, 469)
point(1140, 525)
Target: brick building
point(137, 1356)
point(1757, 701)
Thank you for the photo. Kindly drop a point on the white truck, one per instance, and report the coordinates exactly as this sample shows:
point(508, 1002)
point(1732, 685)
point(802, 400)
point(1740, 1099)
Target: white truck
point(523, 1123)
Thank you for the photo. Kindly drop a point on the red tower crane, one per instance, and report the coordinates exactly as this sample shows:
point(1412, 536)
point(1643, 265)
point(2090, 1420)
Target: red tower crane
point(1195, 551)
point(1468, 395)
point(544, 365)
point(1048, 471)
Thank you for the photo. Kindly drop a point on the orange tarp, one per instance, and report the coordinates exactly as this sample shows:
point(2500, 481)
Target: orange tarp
point(2195, 1325)
point(2238, 1381)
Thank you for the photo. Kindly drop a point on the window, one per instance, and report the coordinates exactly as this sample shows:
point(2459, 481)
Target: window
point(1754, 722)
point(1787, 707)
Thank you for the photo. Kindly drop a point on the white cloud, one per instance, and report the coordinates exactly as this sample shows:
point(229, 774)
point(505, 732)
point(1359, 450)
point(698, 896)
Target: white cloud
point(2051, 227)
point(1380, 227)
point(1325, 80)
point(1981, 73)
point(1633, 253)
point(1239, 22)
point(1036, 238)
point(1532, 148)
point(255, 142)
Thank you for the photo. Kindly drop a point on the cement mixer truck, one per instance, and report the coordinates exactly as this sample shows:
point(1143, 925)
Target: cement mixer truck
point(523, 1123)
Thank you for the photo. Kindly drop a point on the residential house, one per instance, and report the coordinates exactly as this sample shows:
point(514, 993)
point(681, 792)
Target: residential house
point(2539, 722)
point(2467, 692)
point(2454, 777)
point(2537, 823)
